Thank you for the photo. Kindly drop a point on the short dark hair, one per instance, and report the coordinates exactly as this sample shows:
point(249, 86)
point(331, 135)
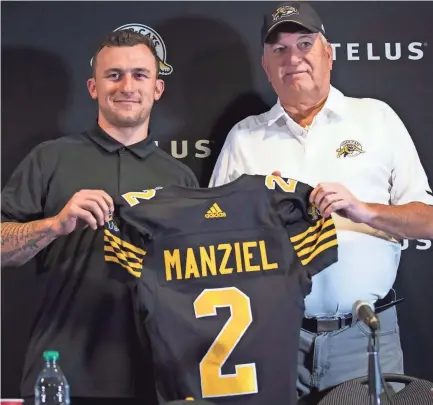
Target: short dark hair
point(126, 38)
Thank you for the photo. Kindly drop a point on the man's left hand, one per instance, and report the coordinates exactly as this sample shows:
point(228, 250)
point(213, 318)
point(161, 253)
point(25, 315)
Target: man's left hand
point(334, 197)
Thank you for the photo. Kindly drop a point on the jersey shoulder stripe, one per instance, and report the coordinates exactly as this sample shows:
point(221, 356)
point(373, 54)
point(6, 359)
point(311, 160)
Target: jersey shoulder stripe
point(315, 240)
point(312, 236)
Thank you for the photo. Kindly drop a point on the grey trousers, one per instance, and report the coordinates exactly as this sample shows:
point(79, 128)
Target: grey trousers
point(328, 359)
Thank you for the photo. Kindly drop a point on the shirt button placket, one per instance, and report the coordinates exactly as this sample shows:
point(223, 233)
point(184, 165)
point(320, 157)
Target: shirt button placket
point(122, 163)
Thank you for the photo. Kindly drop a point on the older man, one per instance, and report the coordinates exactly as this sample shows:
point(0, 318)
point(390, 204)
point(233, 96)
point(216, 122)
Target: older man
point(367, 174)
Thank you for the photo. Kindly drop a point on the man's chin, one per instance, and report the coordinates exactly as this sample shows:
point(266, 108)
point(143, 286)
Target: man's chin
point(298, 88)
point(298, 84)
point(125, 121)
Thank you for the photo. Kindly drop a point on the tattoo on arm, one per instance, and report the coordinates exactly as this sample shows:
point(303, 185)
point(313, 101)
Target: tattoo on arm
point(21, 242)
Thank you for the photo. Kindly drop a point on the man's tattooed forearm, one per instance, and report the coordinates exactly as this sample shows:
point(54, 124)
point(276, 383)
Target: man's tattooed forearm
point(21, 242)
point(12, 232)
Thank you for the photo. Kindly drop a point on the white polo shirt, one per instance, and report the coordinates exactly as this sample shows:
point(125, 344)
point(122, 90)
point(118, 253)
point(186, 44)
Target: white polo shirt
point(360, 143)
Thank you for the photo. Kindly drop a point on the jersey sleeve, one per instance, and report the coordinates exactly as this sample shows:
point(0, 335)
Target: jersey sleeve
point(124, 243)
point(126, 232)
point(314, 238)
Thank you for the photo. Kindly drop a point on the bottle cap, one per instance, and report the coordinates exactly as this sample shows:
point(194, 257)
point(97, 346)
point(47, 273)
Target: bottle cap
point(51, 355)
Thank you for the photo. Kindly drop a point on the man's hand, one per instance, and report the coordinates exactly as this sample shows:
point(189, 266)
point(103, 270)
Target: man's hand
point(334, 197)
point(89, 206)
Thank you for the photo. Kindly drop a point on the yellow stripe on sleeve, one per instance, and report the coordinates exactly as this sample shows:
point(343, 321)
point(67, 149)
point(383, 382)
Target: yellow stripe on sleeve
point(124, 244)
point(320, 249)
point(315, 240)
point(116, 260)
point(311, 238)
point(311, 229)
point(125, 256)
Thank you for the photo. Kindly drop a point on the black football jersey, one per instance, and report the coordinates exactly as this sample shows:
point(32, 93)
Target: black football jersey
point(220, 280)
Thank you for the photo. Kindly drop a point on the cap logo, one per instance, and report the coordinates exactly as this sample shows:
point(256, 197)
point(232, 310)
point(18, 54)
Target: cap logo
point(283, 11)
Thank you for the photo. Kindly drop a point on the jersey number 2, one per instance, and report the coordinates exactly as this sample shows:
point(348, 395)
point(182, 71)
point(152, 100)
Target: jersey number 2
point(213, 382)
point(133, 196)
point(287, 187)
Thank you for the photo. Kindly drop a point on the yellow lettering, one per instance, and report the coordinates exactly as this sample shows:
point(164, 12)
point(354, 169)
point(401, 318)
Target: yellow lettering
point(191, 265)
point(288, 187)
point(203, 262)
point(172, 260)
point(214, 382)
point(248, 256)
point(228, 249)
point(132, 197)
point(264, 255)
point(208, 261)
point(238, 257)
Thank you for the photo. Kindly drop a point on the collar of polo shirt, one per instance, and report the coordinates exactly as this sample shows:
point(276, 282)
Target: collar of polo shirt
point(334, 104)
point(107, 142)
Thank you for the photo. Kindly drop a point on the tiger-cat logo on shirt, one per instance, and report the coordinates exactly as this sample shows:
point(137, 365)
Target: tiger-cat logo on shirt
point(349, 149)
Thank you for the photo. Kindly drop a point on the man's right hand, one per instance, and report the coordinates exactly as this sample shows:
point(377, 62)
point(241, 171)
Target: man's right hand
point(85, 208)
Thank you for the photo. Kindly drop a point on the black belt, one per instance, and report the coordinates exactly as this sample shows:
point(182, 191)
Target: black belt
point(315, 325)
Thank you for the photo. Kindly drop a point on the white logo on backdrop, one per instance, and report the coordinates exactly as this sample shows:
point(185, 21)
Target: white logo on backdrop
point(376, 51)
point(419, 244)
point(182, 149)
point(164, 68)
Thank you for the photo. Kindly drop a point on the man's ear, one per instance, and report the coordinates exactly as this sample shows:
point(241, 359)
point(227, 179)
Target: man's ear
point(330, 53)
point(265, 65)
point(159, 89)
point(91, 86)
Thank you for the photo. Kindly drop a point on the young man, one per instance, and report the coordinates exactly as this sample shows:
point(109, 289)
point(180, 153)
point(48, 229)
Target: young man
point(54, 207)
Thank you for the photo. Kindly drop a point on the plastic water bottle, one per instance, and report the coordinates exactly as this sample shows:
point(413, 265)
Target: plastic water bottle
point(51, 387)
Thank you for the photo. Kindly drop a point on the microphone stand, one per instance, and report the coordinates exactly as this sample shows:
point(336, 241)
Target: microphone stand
point(374, 375)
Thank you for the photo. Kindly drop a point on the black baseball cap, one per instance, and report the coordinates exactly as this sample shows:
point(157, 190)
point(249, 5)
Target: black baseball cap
point(292, 12)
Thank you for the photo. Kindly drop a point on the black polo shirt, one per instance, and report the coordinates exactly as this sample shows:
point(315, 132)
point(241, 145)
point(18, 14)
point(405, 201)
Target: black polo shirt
point(86, 313)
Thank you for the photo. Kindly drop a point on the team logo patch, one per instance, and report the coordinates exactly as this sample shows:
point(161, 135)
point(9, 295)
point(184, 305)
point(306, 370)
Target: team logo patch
point(164, 68)
point(215, 212)
point(349, 149)
point(284, 11)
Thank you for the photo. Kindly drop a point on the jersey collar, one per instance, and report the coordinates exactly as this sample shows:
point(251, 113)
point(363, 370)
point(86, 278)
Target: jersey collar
point(107, 142)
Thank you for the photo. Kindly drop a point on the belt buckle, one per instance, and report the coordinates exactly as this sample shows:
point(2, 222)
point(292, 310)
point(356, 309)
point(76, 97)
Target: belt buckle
point(328, 324)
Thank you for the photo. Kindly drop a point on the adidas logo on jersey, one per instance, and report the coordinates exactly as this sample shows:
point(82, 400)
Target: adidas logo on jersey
point(215, 212)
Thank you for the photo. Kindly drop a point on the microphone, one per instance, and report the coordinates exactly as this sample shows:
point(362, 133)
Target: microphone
point(362, 310)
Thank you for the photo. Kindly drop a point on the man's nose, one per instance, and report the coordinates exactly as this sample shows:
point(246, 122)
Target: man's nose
point(127, 84)
point(292, 56)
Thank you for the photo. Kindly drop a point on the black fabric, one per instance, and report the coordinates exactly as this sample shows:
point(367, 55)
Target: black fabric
point(220, 280)
point(141, 149)
point(86, 313)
